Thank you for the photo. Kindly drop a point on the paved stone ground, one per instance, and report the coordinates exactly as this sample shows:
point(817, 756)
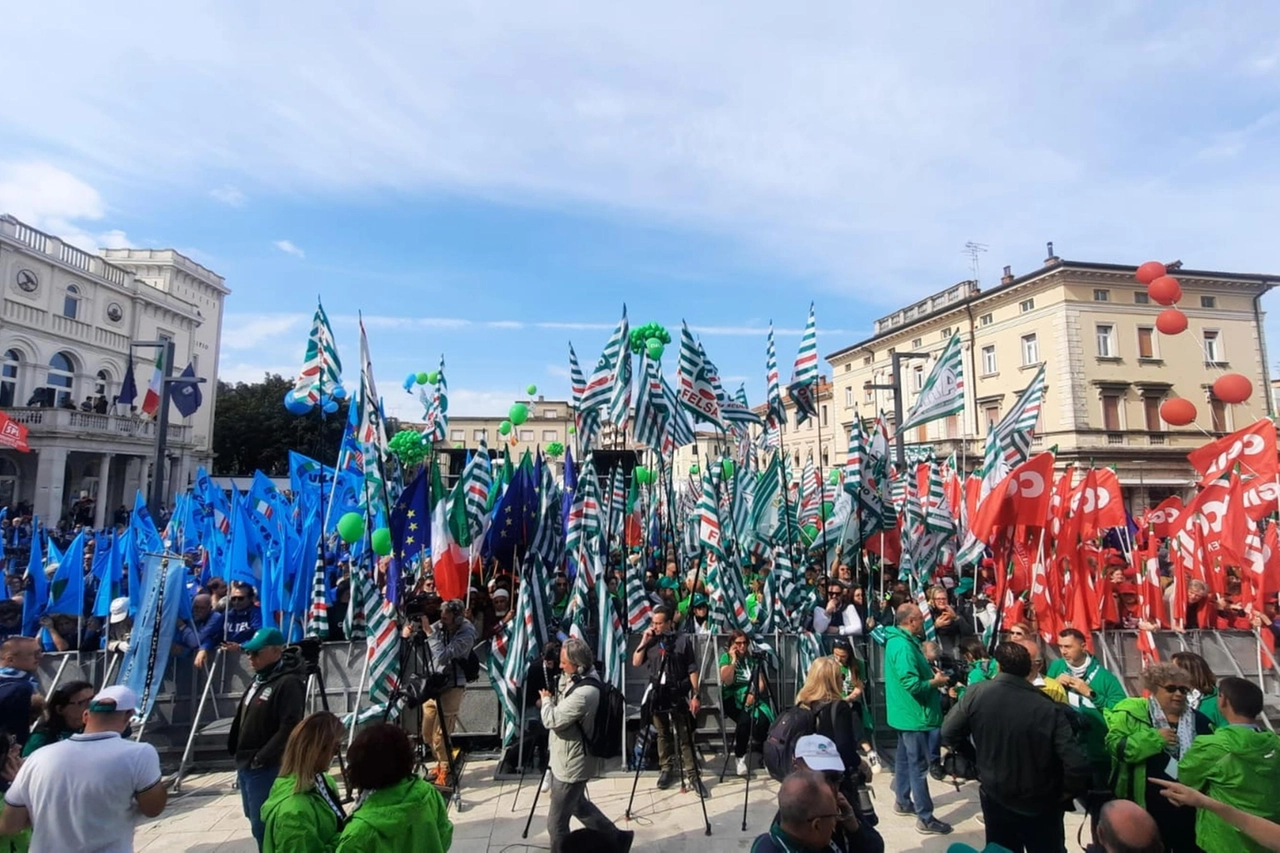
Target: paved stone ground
point(206, 818)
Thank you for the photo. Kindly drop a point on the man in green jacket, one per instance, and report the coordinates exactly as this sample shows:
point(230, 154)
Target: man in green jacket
point(1080, 674)
point(914, 710)
point(1238, 764)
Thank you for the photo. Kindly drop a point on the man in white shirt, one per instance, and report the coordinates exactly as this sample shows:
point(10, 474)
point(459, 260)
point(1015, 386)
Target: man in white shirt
point(839, 616)
point(87, 792)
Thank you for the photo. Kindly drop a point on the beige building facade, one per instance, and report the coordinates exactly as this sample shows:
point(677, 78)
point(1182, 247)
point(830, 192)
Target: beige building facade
point(1107, 367)
point(549, 421)
point(67, 320)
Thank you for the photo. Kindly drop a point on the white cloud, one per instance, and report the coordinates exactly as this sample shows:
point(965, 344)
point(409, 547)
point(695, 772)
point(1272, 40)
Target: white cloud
point(228, 195)
point(289, 248)
point(54, 200)
point(254, 331)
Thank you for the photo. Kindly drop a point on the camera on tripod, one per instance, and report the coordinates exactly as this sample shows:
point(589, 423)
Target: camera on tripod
point(421, 604)
point(309, 649)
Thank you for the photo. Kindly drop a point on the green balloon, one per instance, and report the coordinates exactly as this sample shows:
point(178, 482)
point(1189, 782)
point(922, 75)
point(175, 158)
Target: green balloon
point(422, 378)
point(834, 478)
point(810, 533)
point(531, 390)
point(505, 427)
point(381, 541)
point(643, 475)
point(727, 467)
point(826, 510)
point(654, 348)
point(693, 469)
point(433, 377)
point(518, 413)
point(572, 430)
point(351, 527)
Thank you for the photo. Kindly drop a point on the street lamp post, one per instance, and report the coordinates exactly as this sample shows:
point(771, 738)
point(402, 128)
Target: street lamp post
point(895, 386)
point(156, 494)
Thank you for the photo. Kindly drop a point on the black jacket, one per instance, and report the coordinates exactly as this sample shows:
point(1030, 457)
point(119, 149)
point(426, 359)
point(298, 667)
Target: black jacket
point(1028, 758)
point(267, 714)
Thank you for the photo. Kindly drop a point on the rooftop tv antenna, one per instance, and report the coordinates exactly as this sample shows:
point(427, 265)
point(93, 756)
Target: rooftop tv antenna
point(974, 250)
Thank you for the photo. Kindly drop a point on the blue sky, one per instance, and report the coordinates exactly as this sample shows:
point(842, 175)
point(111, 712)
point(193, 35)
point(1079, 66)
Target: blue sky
point(469, 174)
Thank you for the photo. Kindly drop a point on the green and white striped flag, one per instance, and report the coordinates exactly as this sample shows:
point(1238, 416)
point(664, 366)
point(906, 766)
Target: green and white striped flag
point(697, 393)
point(372, 433)
point(321, 370)
point(318, 615)
point(777, 413)
point(943, 391)
point(803, 389)
point(599, 393)
point(1009, 443)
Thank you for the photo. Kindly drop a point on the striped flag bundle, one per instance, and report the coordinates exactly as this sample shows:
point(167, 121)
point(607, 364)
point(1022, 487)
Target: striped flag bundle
point(943, 391)
point(803, 389)
point(1009, 442)
point(321, 372)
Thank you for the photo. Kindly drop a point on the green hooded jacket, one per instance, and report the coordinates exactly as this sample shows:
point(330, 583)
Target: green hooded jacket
point(912, 703)
point(1240, 766)
point(408, 817)
point(1107, 689)
point(1131, 740)
point(299, 823)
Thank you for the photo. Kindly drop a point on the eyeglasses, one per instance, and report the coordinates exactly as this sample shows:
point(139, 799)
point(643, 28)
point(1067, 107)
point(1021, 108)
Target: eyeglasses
point(1176, 688)
point(237, 598)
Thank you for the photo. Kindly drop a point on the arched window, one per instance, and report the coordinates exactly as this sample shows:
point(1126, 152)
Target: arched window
point(71, 302)
point(61, 379)
point(9, 378)
point(102, 385)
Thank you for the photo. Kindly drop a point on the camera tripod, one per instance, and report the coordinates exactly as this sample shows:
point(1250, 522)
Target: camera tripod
point(309, 648)
point(647, 714)
point(414, 691)
point(759, 694)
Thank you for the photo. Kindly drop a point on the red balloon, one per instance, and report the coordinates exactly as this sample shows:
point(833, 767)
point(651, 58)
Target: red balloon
point(1165, 290)
point(1149, 272)
point(1177, 411)
point(1232, 388)
point(1171, 321)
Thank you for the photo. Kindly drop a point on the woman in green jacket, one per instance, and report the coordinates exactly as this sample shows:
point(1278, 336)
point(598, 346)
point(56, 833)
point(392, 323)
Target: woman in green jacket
point(303, 813)
point(398, 812)
point(1146, 738)
point(62, 717)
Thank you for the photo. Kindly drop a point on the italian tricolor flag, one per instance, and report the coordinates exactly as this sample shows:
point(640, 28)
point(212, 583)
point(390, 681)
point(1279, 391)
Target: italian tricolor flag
point(151, 402)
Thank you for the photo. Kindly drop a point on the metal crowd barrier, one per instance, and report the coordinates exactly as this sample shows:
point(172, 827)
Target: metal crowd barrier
point(178, 716)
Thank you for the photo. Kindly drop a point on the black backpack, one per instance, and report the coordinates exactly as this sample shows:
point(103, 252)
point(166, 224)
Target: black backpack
point(779, 747)
point(605, 740)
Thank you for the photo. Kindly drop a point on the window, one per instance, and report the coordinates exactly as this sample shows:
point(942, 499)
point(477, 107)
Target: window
point(1027, 305)
point(1151, 413)
point(9, 378)
point(1146, 342)
point(989, 360)
point(550, 435)
point(480, 435)
point(457, 435)
point(61, 379)
point(946, 334)
point(848, 365)
point(922, 433)
point(1212, 346)
point(1111, 412)
point(1100, 295)
point(824, 415)
point(986, 320)
point(1106, 340)
point(916, 343)
point(868, 360)
point(1140, 297)
point(71, 302)
point(526, 435)
point(1208, 302)
point(551, 414)
point(1218, 413)
point(917, 378)
point(1030, 350)
point(991, 413)
point(868, 395)
point(952, 426)
point(848, 398)
point(102, 385)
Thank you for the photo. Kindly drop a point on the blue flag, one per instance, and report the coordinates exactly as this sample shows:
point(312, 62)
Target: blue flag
point(410, 530)
point(110, 581)
point(186, 396)
point(515, 518)
point(66, 590)
point(36, 598)
point(128, 387)
point(154, 629)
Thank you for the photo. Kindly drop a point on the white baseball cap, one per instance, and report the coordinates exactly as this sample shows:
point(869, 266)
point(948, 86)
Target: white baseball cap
point(819, 753)
point(114, 698)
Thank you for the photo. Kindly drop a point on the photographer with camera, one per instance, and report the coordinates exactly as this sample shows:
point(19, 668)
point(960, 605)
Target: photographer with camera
point(673, 695)
point(451, 641)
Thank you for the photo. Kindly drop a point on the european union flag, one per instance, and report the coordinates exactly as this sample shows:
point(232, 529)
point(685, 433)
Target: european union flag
point(515, 518)
point(410, 525)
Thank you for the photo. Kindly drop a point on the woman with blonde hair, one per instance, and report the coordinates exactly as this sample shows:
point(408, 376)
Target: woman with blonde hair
point(823, 694)
point(303, 813)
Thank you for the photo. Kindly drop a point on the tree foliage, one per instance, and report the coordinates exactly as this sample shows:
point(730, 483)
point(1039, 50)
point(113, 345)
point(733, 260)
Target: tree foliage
point(252, 430)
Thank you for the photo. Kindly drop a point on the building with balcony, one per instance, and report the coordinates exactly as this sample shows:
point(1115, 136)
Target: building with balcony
point(67, 320)
point(1107, 367)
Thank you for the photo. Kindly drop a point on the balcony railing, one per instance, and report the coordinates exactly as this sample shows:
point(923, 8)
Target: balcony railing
point(42, 421)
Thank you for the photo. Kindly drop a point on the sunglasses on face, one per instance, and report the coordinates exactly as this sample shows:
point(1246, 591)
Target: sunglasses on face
point(237, 598)
point(1176, 688)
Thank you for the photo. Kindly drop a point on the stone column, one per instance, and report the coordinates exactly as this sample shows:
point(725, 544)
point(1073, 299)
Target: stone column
point(101, 507)
point(51, 475)
point(132, 480)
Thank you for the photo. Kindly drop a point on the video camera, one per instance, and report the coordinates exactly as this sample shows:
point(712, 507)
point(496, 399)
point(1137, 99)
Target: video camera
point(957, 672)
point(419, 604)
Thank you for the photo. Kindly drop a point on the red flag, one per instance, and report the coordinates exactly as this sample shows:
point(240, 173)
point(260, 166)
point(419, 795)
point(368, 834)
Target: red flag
point(13, 434)
point(1259, 497)
point(1058, 502)
point(1163, 519)
point(1020, 499)
point(1096, 502)
point(1253, 448)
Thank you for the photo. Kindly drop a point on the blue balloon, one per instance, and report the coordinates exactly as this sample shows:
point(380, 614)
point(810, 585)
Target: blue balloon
point(410, 381)
point(330, 407)
point(339, 393)
point(294, 405)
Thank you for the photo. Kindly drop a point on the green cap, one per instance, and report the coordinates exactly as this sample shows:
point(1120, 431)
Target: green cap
point(668, 583)
point(265, 637)
point(964, 586)
point(699, 600)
